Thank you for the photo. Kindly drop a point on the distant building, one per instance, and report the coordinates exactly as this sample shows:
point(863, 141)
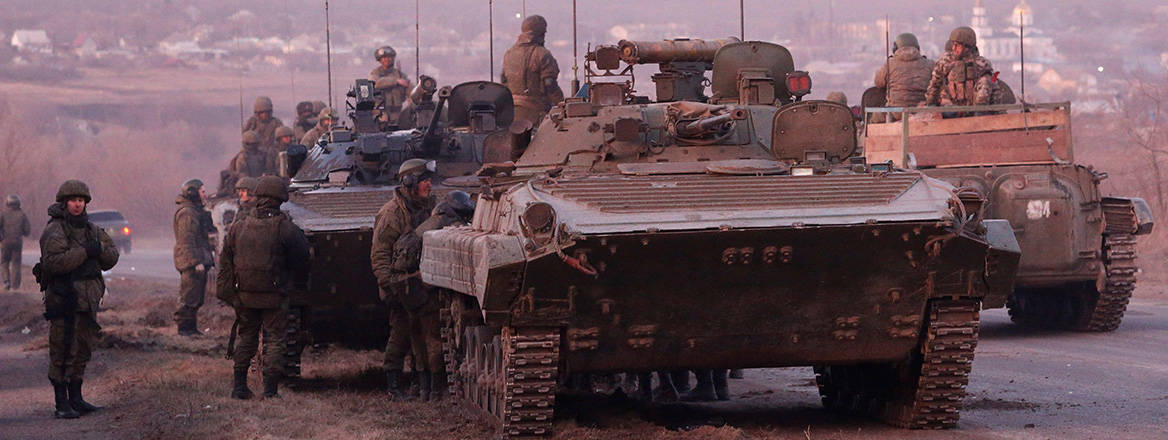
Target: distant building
point(1002, 46)
point(32, 41)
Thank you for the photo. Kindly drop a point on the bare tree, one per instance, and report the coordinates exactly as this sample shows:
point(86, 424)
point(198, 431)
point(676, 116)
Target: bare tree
point(1144, 122)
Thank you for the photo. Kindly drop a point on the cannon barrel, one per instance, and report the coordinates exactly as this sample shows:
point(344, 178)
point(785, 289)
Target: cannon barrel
point(694, 128)
point(668, 51)
point(424, 90)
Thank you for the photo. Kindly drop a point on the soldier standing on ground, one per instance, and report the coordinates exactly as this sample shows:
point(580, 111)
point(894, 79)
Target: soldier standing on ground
point(961, 76)
point(305, 119)
point(193, 255)
point(245, 189)
point(263, 123)
point(393, 83)
point(264, 260)
point(530, 72)
point(13, 228)
point(411, 205)
point(325, 120)
point(74, 252)
point(905, 76)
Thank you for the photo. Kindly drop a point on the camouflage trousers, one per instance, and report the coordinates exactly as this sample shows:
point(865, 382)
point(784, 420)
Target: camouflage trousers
point(530, 113)
point(71, 345)
point(398, 345)
point(192, 288)
point(253, 322)
point(426, 340)
point(10, 264)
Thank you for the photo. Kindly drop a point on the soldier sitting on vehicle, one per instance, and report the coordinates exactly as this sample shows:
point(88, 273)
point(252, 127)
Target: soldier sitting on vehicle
point(251, 161)
point(393, 83)
point(905, 75)
point(325, 120)
point(305, 119)
point(263, 123)
point(961, 77)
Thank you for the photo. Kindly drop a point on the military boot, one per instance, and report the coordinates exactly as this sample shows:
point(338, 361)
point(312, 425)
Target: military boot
point(666, 392)
point(239, 389)
point(189, 329)
point(271, 387)
point(76, 401)
point(721, 388)
point(704, 390)
point(425, 379)
point(438, 386)
point(393, 380)
point(64, 408)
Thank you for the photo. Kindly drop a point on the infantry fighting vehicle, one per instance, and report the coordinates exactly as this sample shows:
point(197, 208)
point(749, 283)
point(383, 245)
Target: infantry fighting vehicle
point(737, 230)
point(339, 184)
point(1078, 246)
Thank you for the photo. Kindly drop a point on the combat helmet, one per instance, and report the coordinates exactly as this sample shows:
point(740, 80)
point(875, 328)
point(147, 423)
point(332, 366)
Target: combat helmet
point(964, 35)
point(905, 40)
point(328, 113)
point(272, 186)
point(250, 137)
point(263, 104)
point(282, 131)
point(247, 183)
point(73, 188)
point(12, 200)
point(534, 24)
point(304, 108)
point(384, 51)
point(839, 97)
point(415, 170)
point(190, 189)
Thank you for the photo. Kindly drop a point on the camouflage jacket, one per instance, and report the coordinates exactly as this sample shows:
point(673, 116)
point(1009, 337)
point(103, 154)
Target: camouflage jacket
point(527, 68)
point(192, 245)
point(312, 136)
point(965, 80)
point(266, 130)
point(63, 256)
point(395, 94)
point(397, 217)
point(252, 164)
point(264, 258)
point(13, 226)
point(905, 76)
point(301, 127)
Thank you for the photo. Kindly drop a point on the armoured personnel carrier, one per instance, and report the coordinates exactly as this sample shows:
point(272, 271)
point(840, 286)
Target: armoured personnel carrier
point(731, 231)
point(1078, 263)
point(339, 184)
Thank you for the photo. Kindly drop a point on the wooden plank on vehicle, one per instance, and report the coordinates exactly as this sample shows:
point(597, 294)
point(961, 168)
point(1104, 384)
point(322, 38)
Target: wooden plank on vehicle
point(990, 148)
point(972, 124)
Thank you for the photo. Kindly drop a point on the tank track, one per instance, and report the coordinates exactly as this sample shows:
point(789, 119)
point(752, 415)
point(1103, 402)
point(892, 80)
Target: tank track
point(450, 354)
point(1119, 259)
point(512, 378)
point(923, 392)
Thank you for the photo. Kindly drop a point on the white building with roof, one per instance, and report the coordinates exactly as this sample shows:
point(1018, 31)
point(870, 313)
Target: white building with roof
point(1003, 46)
point(32, 41)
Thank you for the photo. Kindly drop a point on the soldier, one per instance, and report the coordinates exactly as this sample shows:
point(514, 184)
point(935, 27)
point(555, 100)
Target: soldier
point(305, 119)
point(530, 72)
point(393, 83)
point(74, 252)
point(264, 260)
point(251, 160)
point(325, 120)
point(245, 189)
point(410, 206)
point(905, 76)
point(193, 254)
point(284, 136)
point(13, 229)
point(263, 123)
point(839, 97)
point(961, 77)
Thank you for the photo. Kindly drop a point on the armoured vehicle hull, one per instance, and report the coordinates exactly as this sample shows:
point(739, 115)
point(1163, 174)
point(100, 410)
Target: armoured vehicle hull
point(732, 234)
point(1079, 263)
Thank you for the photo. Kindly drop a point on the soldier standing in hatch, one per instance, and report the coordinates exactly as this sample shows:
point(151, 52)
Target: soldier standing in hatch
point(961, 76)
point(193, 254)
point(74, 252)
point(264, 259)
point(13, 228)
point(905, 76)
point(393, 83)
point(324, 123)
point(251, 161)
point(530, 72)
point(263, 123)
point(410, 206)
point(305, 119)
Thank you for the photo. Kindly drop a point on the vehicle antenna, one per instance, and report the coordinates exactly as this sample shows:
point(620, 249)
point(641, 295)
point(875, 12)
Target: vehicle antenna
point(887, 66)
point(417, 39)
point(328, 50)
point(1022, 54)
point(524, 8)
point(491, 35)
point(575, 54)
point(240, 85)
point(291, 68)
point(741, 21)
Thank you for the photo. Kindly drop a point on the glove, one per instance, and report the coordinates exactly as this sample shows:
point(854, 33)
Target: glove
point(200, 268)
point(93, 248)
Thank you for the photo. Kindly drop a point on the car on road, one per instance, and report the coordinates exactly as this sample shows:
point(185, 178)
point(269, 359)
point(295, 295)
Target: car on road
point(114, 224)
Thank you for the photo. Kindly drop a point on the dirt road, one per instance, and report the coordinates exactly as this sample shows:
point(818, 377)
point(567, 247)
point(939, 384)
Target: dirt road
point(1025, 384)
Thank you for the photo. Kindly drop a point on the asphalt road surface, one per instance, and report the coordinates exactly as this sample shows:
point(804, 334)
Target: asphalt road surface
point(147, 259)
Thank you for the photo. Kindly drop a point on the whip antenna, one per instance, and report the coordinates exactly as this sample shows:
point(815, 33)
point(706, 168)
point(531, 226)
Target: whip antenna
point(741, 21)
point(491, 34)
point(575, 54)
point(328, 48)
point(417, 40)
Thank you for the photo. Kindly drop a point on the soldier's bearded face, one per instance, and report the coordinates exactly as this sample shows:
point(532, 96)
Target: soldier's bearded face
point(75, 205)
